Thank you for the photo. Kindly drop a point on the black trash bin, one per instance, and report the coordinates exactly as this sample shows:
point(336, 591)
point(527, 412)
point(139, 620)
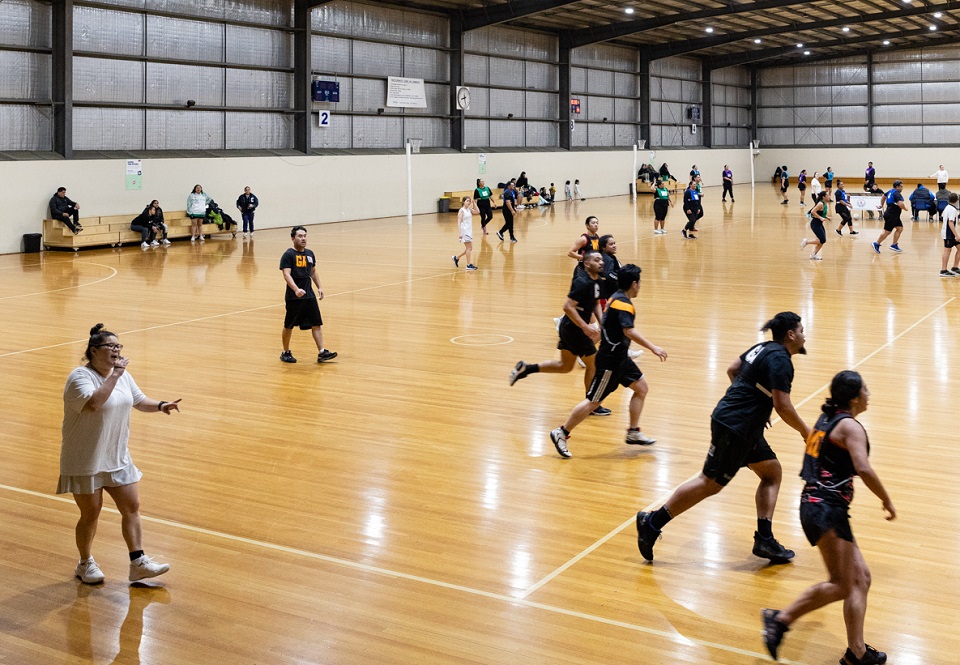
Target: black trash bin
point(32, 243)
point(443, 205)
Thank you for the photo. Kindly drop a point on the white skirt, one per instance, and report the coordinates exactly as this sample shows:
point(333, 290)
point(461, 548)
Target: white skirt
point(89, 484)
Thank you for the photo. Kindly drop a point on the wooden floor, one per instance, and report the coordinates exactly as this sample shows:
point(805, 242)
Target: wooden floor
point(404, 505)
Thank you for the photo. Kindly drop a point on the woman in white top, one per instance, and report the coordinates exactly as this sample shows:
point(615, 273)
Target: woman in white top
point(197, 212)
point(94, 456)
point(815, 187)
point(942, 177)
point(468, 208)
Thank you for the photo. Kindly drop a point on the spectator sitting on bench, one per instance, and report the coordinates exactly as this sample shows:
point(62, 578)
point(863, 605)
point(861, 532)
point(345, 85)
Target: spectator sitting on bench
point(922, 199)
point(64, 210)
point(197, 212)
point(545, 198)
point(145, 225)
point(158, 221)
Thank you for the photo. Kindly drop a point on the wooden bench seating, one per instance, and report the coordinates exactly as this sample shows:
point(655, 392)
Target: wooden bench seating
point(114, 231)
point(457, 197)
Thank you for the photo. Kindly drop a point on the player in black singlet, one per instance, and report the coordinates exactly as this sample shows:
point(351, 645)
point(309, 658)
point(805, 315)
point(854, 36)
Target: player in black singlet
point(837, 450)
point(587, 240)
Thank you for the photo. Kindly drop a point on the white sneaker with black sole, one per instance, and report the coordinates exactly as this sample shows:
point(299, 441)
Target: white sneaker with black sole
point(89, 572)
point(145, 568)
point(637, 438)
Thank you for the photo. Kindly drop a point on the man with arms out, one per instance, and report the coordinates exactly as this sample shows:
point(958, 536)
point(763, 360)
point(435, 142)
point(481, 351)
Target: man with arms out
point(760, 381)
point(577, 335)
point(299, 266)
point(614, 366)
point(942, 177)
point(893, 205)
point(64, 210)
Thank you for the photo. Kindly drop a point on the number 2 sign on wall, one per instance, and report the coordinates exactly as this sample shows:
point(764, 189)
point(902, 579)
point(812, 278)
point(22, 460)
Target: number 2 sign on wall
point(325, 117)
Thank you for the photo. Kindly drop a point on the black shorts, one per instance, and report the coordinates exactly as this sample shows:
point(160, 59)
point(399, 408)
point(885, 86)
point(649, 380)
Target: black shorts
point(783, 189)
point(950, 243)
point(891, 224)
point(303, 312)
point(802, 187)
point(817, 227)
point(606, 380)
point(821, 517)
point(729, 452)
point(574, 340)
point(660, 207)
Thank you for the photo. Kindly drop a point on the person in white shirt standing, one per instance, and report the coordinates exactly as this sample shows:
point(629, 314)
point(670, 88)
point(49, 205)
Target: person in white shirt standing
point(94, 457)
point(942, 177)
point(950, 237)
point(465, 222)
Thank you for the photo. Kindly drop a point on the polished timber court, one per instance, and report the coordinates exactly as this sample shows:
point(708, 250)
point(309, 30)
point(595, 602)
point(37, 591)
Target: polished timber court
point(403, 504)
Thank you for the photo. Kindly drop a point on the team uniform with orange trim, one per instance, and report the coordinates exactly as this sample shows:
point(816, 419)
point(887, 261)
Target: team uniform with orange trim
point(613, 363)
point(593, 242)
point(304, 311)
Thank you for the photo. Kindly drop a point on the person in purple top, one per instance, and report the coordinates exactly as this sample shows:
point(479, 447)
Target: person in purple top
point(802, 185)
point(727, 183)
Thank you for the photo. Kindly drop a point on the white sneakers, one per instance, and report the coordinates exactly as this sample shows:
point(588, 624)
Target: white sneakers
point(145, 567)
point(154, 244)
point(165, 242)
point(637, 438)
point(89, 572)
point(144, 245)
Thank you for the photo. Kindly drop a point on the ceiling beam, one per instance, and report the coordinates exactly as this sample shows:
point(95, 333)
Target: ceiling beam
point(759, 55)
point(604, 33)
point(691, 45)
point(507, 11)
point(943, 40)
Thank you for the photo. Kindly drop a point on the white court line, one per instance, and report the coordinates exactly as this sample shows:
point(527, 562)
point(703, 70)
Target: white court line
point(218, 316)
point(67, 288)
point(672, 636)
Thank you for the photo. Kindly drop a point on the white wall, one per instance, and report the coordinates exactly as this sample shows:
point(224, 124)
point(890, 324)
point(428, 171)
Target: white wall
point(908, 164)
point(312, 190)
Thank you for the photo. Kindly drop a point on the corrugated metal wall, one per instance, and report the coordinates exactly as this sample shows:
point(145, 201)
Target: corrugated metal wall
point(675, 85)
point(604, 78)
point(26, 119)
point(731, 97)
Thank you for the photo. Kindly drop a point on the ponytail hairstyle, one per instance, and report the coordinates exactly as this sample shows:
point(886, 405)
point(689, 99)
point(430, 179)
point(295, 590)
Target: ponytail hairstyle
point(97, 337)
point(781, 324)
point(844, 388)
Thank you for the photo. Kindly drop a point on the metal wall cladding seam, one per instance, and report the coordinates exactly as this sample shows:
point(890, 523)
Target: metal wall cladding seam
point(359, 20)
point(677, 67)
point(184, 39)
point(475, 70)
point(506, 42)
point(850, 135)
point(378, 132)
point(691, 92)
point(578, 79)
point(251, 131)
point(107, 31)
point(541, 104)
point(26, 128)
point(377, 59)
point(894, 136)
point(941, 134)
point(505, 100)
point(578, 139)
point(200, 8)
point(27, 75)
point(25, 23)
point(108, 129)
point(331, 54)
point(606, 56)
point(737, 76)
point(426, 64)
point(259, 89)
point(808, 116)
point(941, 70)
point(908, 114)
point(476, 133)
point(656, 113)
point(137, 4)
point(600, 135)
point(666, 89)
point(102, 80)
point(175, 84)
point(184, 130)
point(775, 117)
point(506, 134)
point(258, 46)
point(813, 135)
point(897, 92)
point(278, 13)
point(600, 108)
point(775, 96)
point(369, 95)
point(479, 102)
point(625, 134)
point(506, 72)
point(848, 74)
point(337, 135)
point(625, 85)
point(478, 40)
point(540, 76)
point(540, 46)
point(434, 131)
point(672, 113)
point(899, 72)
point(600, 82)
point(850, 115)
point(775, 135)
point(541, 135)
point(941, 92)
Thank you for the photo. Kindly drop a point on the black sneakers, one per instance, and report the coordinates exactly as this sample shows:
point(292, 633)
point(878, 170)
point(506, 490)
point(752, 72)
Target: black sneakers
point(871, 657)
point(769, 548)
point(646, 535)
point(773, 630)
point(326, 355)
point(287, 357)
point(518, 372)
point(601, 411)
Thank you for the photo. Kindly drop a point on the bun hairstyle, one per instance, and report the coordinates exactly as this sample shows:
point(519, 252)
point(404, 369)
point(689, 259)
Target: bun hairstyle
point(780, 325)
point(844, 388)
point(97, 336)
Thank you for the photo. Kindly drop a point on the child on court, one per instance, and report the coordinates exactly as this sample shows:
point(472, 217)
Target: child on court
point(468, 208)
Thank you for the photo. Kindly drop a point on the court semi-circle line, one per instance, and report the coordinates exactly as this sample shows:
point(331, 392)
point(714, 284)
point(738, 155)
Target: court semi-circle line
point(506, 339)
point(112, 270)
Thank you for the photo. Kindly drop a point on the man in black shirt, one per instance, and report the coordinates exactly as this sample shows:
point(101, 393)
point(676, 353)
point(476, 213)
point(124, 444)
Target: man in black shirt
point(64, 210)
point(614, 365)
point(577, 335)
point(760, 381)
point(299, 266)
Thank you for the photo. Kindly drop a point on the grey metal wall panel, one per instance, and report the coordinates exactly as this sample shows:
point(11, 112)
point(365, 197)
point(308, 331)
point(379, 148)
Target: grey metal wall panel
point(941, 70)
point(184, 39)
point(338, 135)
point(677, 67)
point(691, 92)
point(578, 139)
point(184, 130)
point(625, 85)
point(625, 134)
point(894, 136)
point(541, 104)
point(667, 89)
point(506, 42)
point(540, 46)
point(331, 54)
point(775, 117)
point(260, 131)
point(900, 114)
point(479, 102)
point(278, 13)
point(506, 134)
point(107, 31)
point(941, 52)
point(600, 82)
point(426, 64)
point(941, 134)
point(256, 46)
point(204, 8)
point(108, 129)
point(778, 96)
point(600, 135)
point(504, 101)
point(369, 95)
point(26, 128)
point(913, 55)
point(434, 131)
point(900, 92)
point(542, 76)
point(175, 84)
point(380, 132)
point(939, 113)
point(506, 72)
point(850, 115)
point(477, 133)
point(626, 110)
point(475, 70)
point(850, 94)
point(254, 88)
point(25, 23)
point(656, 136)
point(541, 135)
point(600, 107)
point(898, 72)
point(813, 136)
point(849, 73)
point(99, 80)
point(775, 135)
point(673, 113)
point(606, 56)
point(438, 100)
point(478, 40)
point(26, 75)
point(942, 91)
point(578, 79)
point(377, 59)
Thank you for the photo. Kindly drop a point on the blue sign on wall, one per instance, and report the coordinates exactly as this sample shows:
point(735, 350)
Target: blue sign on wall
point(326, 91)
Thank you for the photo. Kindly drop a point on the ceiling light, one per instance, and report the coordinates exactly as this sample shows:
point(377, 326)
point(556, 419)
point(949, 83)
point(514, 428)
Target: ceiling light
point(886, 42)
point(846, 29)
point(756, 41)
point(806, 52)
point(709, 29)
point(933, 27)
point(629, 10)
point(938, 15)
point(799, 45)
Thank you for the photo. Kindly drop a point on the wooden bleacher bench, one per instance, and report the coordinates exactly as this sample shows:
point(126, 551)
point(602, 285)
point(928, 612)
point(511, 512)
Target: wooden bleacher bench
point(457, 197)
point(114, 231)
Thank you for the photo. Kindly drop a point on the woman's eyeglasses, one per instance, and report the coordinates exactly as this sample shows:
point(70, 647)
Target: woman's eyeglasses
point(112, 347)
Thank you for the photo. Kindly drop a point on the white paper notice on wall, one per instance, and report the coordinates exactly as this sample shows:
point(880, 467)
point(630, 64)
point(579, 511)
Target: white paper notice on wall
point(406, 93)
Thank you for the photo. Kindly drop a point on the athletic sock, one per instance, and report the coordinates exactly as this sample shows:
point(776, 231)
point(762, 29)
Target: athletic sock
point(566, 432)
point(531, 369)
point(660, 518)
point(764, 527)
point(136, 555)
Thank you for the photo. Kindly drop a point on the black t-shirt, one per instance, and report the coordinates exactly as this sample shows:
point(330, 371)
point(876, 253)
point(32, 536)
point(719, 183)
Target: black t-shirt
point(585, 292)
point(301, 265)
point(827, 468)
point(611, 266)
point(748, 402)
point(619, 314)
